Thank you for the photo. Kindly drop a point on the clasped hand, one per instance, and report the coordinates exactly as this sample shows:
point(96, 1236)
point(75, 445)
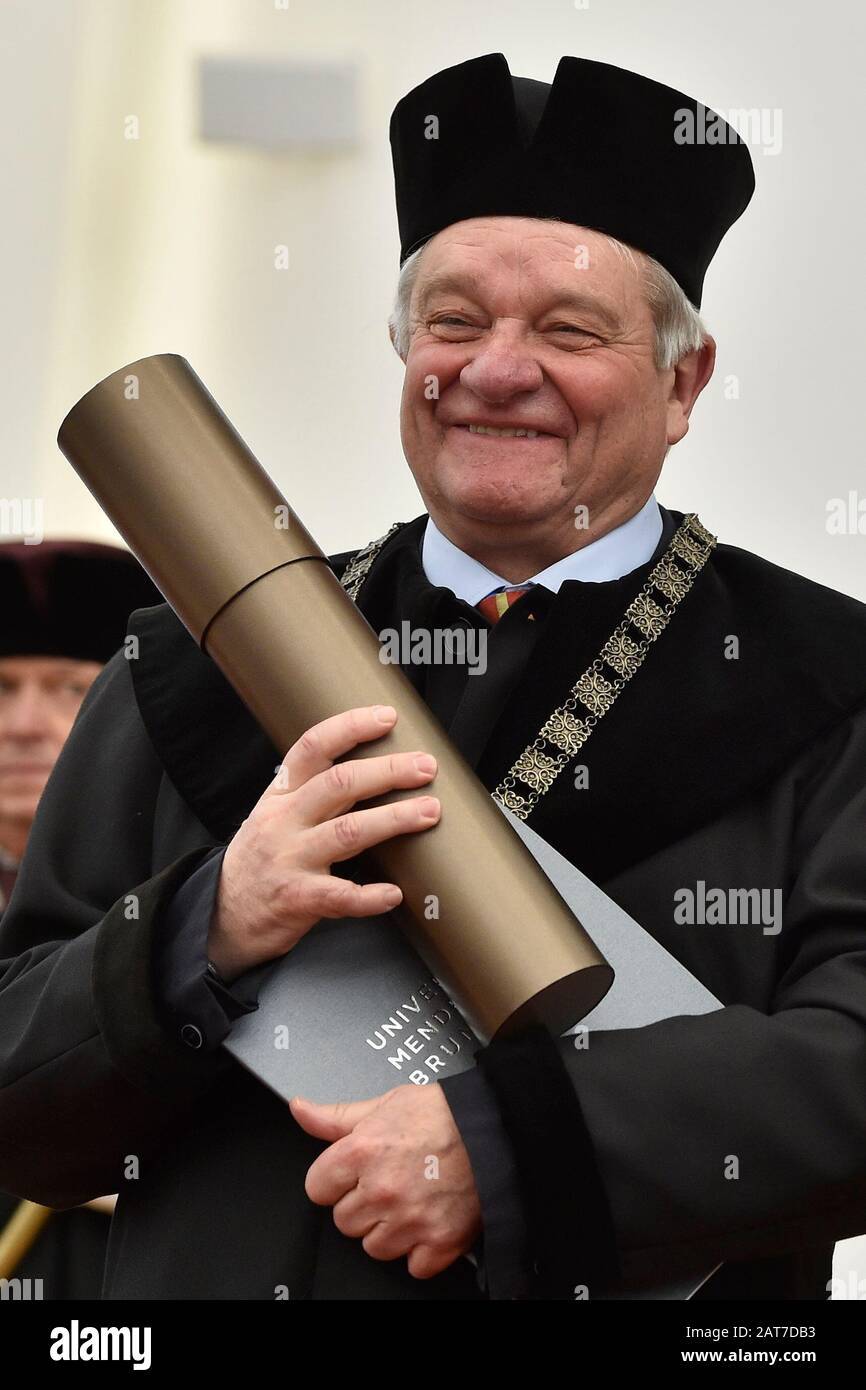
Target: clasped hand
point(397, 1175)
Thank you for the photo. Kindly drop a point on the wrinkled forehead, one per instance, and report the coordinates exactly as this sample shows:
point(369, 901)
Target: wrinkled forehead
point(535, 257)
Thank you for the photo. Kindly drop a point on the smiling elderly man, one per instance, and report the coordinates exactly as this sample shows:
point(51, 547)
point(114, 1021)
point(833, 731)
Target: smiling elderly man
point(554, 242)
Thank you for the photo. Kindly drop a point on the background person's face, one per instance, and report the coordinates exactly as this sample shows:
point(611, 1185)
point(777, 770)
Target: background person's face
point(39, 699)
point(513, 333)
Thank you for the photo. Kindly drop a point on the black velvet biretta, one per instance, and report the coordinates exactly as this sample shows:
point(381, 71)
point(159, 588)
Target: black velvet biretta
point(69, 598)
point(601, 147)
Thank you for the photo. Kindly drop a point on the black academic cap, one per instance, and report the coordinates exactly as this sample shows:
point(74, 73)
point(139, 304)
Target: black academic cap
point(601, 147)
point(69, 598)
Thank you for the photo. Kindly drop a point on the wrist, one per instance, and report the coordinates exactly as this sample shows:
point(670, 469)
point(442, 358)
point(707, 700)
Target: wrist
point(223, 957)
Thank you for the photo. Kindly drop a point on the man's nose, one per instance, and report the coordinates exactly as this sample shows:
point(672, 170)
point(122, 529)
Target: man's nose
point(504, 367)
point(26, 715)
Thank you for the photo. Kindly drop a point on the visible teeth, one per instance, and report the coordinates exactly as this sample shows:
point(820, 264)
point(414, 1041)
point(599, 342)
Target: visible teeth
point(503, 434)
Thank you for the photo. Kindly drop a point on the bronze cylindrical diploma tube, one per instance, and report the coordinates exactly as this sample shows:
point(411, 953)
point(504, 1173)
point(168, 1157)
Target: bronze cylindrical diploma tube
point(256, 592)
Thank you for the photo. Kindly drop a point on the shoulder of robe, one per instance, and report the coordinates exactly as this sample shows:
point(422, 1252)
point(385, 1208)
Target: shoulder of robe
point(213, 750)
point(796, 630)
point(757, 666)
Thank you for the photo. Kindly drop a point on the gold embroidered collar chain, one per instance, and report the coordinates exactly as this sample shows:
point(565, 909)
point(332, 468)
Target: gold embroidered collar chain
point(569, 726)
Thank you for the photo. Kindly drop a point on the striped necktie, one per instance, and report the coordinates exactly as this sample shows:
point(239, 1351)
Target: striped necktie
point(500, 600)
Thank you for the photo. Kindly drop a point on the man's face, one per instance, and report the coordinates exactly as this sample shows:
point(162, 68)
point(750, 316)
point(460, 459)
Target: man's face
point(39, 699)
point(511, 332)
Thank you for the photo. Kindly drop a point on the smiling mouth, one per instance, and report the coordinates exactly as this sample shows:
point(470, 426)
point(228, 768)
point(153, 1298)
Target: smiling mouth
point(493, 431)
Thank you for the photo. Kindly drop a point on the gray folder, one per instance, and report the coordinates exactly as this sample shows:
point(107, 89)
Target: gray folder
point(352, 1010)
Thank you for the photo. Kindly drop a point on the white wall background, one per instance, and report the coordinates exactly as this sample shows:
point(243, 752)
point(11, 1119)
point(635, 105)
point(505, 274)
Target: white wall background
point(112, 249)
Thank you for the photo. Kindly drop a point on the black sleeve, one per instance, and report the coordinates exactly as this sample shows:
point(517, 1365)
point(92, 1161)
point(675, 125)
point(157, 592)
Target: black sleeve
point(503, 1258)
point(199, 1008)
point(89, 1073)
point(665, 1107)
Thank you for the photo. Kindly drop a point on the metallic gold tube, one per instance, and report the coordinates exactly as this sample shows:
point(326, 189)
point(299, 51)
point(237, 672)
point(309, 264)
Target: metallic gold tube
point(255, 591)
point(21, 1231)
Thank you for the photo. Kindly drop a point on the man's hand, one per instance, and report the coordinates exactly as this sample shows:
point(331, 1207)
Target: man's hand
point(397, 1175)
point(275, 881)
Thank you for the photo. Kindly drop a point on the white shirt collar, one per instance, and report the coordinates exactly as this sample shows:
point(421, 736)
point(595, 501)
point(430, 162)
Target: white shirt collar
point(619, 552)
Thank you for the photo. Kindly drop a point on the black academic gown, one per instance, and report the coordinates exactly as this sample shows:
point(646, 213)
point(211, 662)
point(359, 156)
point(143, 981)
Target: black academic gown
point(67, 1259)
point(746, 773)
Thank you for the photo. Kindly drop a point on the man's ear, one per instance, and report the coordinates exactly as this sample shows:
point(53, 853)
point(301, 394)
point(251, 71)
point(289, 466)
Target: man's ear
point(690, 376)
point(392, 335)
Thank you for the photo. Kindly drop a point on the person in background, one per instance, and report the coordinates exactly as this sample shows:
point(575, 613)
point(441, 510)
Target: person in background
point(63, 611)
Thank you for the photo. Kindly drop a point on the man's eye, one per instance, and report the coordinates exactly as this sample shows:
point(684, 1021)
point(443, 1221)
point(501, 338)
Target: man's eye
point(450, 321)
point(571, 328)
point(75, 689)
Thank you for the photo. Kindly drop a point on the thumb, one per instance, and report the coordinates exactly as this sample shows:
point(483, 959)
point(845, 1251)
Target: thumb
point(331, 1121)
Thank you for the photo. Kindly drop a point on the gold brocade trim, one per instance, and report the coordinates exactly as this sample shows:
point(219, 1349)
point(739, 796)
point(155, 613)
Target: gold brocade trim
point(359, 566)
point(567, 729)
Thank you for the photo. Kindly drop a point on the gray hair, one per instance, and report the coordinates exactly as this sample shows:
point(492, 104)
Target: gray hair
point(679, 328)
